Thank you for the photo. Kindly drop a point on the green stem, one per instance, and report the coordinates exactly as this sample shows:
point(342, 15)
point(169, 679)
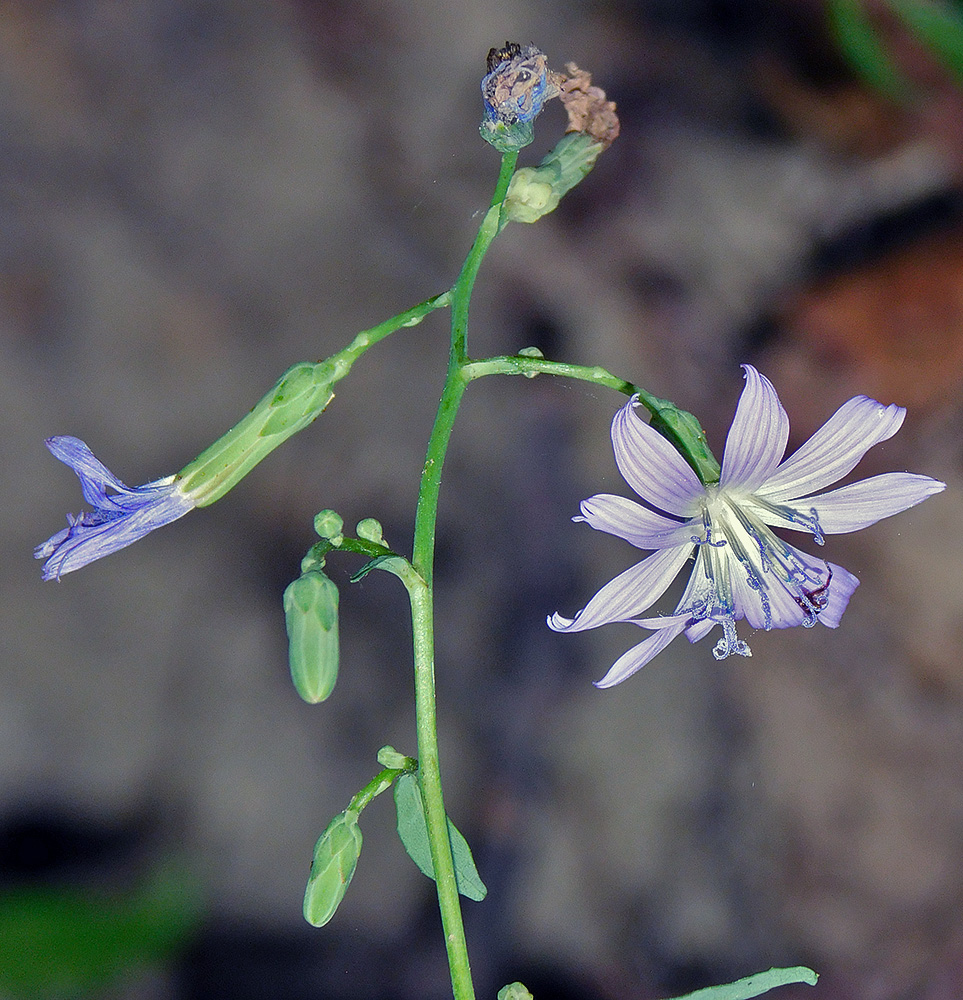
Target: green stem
point(679, 427)
point(519, 364)
point(422, 599)
point(487, 231)
point(381, 782)
point(345, 358)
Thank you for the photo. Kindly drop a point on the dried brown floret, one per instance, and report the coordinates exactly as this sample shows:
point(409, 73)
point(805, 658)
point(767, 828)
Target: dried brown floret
point(587, 107)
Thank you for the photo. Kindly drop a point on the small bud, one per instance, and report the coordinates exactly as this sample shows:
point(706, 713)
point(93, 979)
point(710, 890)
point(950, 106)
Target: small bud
point(370, 530)
point(335, 859)
point(328, 525)
point(311, 617)
point(530, 352)
point(389, 757)
point(536, 191)
point(514, 991)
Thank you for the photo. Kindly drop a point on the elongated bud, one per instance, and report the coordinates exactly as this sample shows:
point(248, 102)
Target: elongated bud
point(311, 616)
point(297, 398)
point(335, 859)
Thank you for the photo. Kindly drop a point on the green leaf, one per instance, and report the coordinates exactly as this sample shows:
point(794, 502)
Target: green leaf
point(413, 831)
point(393, 564)
point(335, 859)
point(860, 44)
point(60, 943)
point(754, 986)
point(938, 28)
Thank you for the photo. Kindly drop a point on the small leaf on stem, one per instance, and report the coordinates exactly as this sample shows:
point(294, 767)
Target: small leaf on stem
point(413, 831)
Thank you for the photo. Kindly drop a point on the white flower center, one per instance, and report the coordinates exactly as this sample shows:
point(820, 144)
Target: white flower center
point(735, 540)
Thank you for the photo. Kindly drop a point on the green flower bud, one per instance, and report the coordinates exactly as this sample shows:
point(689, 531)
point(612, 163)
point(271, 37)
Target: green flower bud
point(297, 398)
point(311, 616)
point(531, 194)
point(514, 991)
point(389, 757)
point(536, 191)
point(335, 859)
point(370, 530)
point(328, 524)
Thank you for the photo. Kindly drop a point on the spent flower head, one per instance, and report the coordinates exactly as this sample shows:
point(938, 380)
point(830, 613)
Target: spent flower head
point(742, 569)
point(121, 514)
point(514, 91)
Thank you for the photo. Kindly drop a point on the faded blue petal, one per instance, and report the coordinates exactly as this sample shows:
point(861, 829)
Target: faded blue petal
point(834, 450)
point(651, 466)
point(861, 504)
point(118, 518)
point(758, 435)
point(638, 656)
point(641, 527)
point(630, 594)
point(518, 84)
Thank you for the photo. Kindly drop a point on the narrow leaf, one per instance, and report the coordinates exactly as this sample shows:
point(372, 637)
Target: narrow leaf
point(393, 564)
point(413, 831)
point(754, 986)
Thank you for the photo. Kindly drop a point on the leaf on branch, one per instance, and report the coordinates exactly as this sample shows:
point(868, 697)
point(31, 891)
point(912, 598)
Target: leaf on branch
point(413, 831)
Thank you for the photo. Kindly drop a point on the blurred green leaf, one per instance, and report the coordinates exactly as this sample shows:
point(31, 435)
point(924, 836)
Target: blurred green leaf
point(63, 942)
point(860, 43)
point(938, 27)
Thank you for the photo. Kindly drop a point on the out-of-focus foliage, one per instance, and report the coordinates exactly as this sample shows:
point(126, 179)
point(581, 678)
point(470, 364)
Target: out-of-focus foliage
point(859, 32)
point(69, 942)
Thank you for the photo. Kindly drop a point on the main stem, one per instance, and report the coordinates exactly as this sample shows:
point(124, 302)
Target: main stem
point(422, 600)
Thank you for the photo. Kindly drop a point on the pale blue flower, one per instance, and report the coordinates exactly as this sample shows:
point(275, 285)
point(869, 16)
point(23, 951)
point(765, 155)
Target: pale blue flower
point(742, 569)
point(119, 517)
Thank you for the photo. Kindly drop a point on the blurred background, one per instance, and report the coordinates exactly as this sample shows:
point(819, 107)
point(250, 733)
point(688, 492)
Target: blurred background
point(195, 194)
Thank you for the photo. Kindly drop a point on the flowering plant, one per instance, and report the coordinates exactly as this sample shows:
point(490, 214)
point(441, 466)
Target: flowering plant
point(722, 515)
